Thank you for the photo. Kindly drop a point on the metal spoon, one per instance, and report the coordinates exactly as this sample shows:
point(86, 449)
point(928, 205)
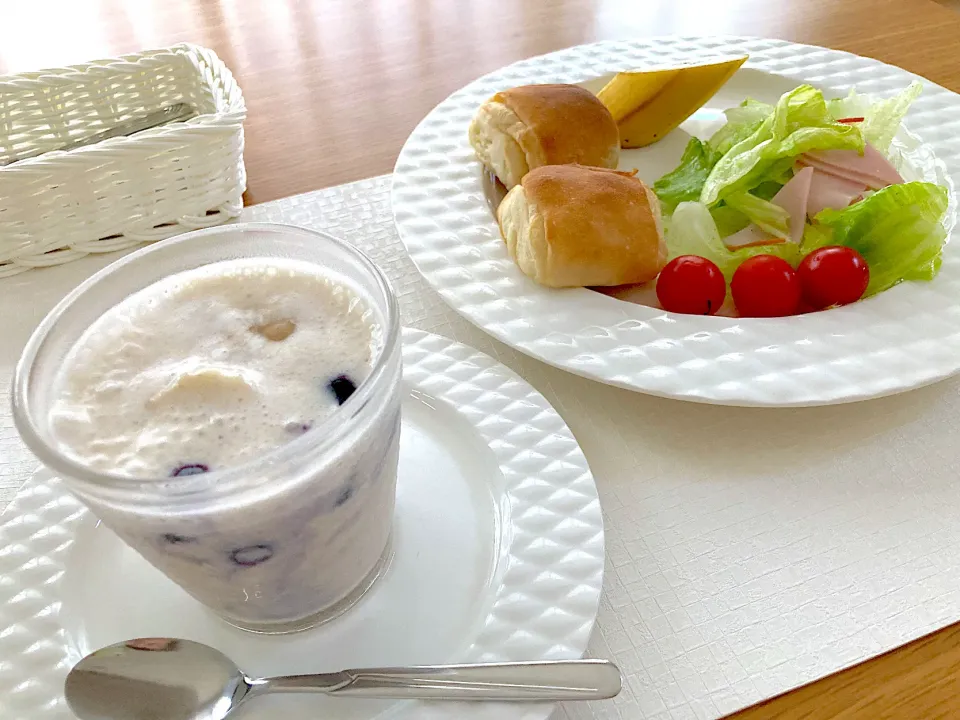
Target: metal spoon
point(171, 679)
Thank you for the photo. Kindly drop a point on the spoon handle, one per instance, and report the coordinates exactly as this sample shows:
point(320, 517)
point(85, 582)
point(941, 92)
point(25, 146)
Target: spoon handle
point(546, 681)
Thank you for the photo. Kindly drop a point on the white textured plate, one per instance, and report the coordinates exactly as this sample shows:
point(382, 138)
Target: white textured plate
point(900, 339)
point(498, 555)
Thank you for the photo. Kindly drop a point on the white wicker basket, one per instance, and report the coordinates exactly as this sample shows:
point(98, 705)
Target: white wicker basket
point(62, 205)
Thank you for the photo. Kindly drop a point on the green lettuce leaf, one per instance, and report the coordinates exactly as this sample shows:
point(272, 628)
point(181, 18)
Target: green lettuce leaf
point(741, 123)
point(692, 231)
point(763, 213)
point(686, 181)
point(799, 123)
point(853, 105)
point(882, 120)
point(769, 188)
point(898, 230)
point(815, 236)
point(728, 219)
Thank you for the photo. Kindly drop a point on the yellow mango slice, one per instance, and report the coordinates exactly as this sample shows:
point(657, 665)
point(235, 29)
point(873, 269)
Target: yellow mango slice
point(629, 91)
point(649, 104)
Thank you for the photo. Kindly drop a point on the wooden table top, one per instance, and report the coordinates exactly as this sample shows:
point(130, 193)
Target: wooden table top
point(333, 88)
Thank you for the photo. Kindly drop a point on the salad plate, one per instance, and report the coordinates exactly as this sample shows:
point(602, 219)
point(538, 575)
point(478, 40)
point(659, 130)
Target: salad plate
point(498, 554)
point(901, 338)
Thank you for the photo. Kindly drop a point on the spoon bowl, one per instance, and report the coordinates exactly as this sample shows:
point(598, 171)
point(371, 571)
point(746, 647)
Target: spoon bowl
point(174, 679)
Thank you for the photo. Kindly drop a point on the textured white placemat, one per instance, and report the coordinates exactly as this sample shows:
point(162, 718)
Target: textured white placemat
point(749, 551)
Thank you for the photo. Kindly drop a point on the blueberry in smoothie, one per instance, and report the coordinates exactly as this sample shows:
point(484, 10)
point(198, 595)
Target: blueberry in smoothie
point(191, 469)
point(252, 555)
point(342, 388)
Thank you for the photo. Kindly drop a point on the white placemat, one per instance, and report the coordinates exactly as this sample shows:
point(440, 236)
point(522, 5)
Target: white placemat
point(749, 551)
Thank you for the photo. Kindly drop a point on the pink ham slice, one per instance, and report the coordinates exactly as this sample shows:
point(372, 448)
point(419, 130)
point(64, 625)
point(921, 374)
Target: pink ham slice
point(872, 168)
point(793, 197)
point(830, 191)
point(848, 175)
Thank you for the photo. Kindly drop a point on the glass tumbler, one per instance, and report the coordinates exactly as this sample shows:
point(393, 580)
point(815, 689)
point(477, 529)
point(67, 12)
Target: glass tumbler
point(288, 540)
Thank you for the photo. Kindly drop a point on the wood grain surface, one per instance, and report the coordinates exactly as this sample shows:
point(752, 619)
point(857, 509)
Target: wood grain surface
point(334, 87)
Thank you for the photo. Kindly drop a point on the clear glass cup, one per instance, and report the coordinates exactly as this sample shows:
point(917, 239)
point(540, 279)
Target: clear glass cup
point(281, 543)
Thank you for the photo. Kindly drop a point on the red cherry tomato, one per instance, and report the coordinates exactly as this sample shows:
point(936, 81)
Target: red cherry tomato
point(691, 284)
point(834, 275)
point(765, 286)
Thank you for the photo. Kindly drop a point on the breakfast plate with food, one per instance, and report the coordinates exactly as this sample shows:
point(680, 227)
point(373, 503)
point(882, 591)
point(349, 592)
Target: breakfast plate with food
point(728, 220)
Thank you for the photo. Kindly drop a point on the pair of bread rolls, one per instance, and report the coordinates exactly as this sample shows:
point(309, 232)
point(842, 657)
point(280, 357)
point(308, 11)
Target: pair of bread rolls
point(569, 219)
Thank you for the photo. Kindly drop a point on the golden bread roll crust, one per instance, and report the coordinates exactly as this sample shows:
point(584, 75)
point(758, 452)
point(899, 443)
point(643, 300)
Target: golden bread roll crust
point(563, 124)
point(527, 127)
point(575, 226)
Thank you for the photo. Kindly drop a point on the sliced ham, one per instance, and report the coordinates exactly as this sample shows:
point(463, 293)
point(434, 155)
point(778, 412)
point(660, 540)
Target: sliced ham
point(793, 197)
point(830, 191)
point(748, 237)
point(848, 175)
point(871, 168)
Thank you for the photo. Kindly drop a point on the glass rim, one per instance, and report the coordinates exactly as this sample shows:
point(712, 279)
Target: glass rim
point(334, 427)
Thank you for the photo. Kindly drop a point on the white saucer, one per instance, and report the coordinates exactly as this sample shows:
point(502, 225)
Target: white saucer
point(498, 555)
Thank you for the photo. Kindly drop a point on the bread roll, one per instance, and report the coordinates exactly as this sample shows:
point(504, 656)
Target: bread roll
point(575, 226)
point(528, 127)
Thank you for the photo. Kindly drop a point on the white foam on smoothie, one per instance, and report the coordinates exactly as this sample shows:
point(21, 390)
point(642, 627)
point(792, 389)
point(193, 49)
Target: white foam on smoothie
point(185, 371)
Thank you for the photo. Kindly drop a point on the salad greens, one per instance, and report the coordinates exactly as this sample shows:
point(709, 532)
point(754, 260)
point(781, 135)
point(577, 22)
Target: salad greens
point(742, 122)
point(728, 219)
point(762, 213)
point(756, 146)
point(880, 119)
point(799, 123)
point(897, 230)
point(724, 184)
point(691, 230)
point(686, 182)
